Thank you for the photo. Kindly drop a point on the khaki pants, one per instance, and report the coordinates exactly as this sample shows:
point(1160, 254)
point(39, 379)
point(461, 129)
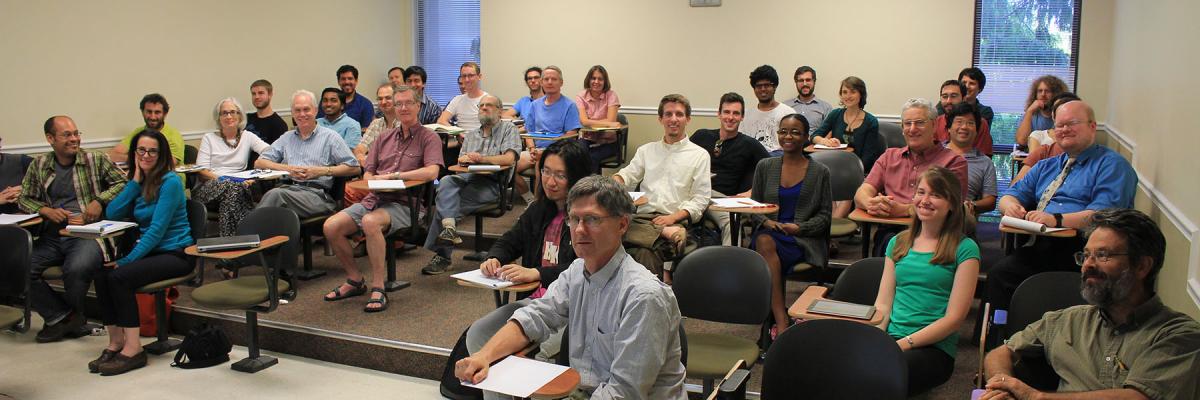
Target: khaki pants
point(645, 244)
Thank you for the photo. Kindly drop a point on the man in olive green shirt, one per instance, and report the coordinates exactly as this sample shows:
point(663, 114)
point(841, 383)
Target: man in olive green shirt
point(154, 113)
point(1125, 344)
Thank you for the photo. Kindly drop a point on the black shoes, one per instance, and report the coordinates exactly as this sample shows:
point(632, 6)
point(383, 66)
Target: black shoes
point(69, 327)
point(120, 364)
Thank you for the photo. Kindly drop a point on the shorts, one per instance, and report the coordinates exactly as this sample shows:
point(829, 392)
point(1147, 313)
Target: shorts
point(399, 214)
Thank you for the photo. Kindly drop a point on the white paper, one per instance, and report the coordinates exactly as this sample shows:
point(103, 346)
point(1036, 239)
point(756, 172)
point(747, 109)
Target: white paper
point(13, 219)
point(516, 376)
point(636, 195)
point(737, 202)
point(1019, 153)
point(1028, 226)
point(257, 174)
point(190, 168)
point(101, 227)
point(819, 146)
point(376, 184)
point(445, 128)
point(483, 168)
point(477, 276)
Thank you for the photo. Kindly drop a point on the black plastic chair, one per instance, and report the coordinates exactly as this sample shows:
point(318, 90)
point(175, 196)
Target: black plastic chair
point(418, 197)
point(622, 144)
point(249, 292)
point(14, 276)
point(845, 176)
point(859, 283)
point(494, 210)
point(1037, 295)
point(721, 284)
point(834, 359)
point(314, 225)
point(197, 219)
point(892, 134)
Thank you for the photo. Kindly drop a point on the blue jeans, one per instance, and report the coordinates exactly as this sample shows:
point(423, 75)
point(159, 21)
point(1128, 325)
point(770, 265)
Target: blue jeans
point(459, 195)
point(80, 260)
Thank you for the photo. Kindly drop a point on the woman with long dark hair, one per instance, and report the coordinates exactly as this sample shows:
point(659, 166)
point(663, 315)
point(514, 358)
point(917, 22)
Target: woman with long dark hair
point(154, 199)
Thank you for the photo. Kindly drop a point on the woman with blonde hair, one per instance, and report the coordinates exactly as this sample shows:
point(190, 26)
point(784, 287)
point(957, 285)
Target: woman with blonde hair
point(224, 152)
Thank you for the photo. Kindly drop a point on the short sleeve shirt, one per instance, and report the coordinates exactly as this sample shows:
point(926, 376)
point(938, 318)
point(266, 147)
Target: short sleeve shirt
point(394, 152)
point(466, 109)
point(981, 175)
point(896, 172)
point(763, 125)
point(923, 291)
point(554, 119)
point(596, 108)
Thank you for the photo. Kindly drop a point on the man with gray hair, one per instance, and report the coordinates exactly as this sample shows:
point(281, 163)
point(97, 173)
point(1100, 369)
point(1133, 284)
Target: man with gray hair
point(496, 142)
point(889, 188)
point(624, 323)
point(1125, 343)
point(312, 155)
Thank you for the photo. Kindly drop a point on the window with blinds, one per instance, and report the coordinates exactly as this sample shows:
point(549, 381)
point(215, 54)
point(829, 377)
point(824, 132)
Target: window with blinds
point(447, 35)
point(1017, 41)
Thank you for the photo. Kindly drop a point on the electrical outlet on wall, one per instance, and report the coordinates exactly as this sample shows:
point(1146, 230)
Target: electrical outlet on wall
point(704, 3)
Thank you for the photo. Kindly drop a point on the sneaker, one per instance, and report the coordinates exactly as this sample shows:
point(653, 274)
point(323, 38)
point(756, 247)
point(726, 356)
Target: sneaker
point(437, 265)
point(68, 326)
point(449, 235)
point(120, 364)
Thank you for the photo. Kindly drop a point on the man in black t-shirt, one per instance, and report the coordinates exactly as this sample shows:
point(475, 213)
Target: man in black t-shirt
point(732, 156)
point(265, 122)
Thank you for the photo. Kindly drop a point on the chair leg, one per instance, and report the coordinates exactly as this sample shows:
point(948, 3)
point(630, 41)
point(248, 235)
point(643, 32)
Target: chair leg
point(392, 284)
point(708, 386)
point(255, 362)
point(308, 273)
point(480, 254)
point(164, 344)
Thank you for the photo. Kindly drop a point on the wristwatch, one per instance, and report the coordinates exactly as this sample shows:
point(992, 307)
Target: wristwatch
point(1057, 220)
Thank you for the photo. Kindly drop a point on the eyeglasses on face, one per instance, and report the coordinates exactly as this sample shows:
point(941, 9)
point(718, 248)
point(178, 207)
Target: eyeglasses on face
point(144, 152)
point(559, 176)
point(1102, 256)
point(589, 221)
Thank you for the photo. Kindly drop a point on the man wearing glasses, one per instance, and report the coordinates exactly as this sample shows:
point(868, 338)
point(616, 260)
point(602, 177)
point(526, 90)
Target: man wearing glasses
point(1061, 191)
point(1125, 343)
point(465, 107)
point(623, 323)
point(889, 188)
point(762, 120)
point(66, 186)
point(732, 157)
point(533, 81)
point(496, 142)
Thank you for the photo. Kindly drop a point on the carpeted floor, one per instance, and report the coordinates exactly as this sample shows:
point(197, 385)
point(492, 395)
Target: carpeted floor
point(435, 310)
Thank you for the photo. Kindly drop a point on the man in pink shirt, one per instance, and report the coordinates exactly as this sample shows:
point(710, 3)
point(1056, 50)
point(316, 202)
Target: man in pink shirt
point(889, 188)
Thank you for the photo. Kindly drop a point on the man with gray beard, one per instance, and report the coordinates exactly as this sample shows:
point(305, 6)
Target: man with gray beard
point(496, 142)
point(1125, 343)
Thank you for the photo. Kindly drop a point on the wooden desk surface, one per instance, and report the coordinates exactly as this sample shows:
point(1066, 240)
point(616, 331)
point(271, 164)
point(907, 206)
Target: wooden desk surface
point(604, 129)
point(746, 210)
point(1059, 234)
point(464, 169)
point(517, 288)
point(861, 216)
point(812, 148)
point(559, 387)
point(232, 254)
point(30, 222)
point(361, 184)
point(81, 235)
point(799, 309)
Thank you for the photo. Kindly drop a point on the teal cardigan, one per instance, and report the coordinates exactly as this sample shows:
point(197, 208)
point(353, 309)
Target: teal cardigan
point(163, 224)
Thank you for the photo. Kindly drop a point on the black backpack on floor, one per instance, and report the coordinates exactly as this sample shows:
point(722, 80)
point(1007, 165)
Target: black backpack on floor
point(204, 346)
point(451, 387)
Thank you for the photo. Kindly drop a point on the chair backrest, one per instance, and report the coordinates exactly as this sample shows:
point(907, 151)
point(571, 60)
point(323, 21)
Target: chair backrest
point(859, 283)
point(274, 221)
point(892, 134)
point(190, 154)
point(834, 359)
point(723, 284)
point(14, 260)
point(197, 219)
point(845, 172)
point(1039, 294)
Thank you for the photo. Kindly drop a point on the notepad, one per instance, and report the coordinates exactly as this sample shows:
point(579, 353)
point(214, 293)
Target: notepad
point(454, 130)
point(476, 276)
point(1028, 226)
point(379, 184)
point(636, 195)
point(824, 147)
point(738, 202)
point(520, 377)
point(13, 219)
point(253, 174)
point(483, 168)
point(101, 228)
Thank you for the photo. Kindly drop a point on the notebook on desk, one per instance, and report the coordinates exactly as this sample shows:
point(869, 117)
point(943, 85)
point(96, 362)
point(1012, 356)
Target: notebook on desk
point(227, 243)
point(842, 309)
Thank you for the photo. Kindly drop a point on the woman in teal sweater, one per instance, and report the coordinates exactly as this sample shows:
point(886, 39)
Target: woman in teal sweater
point(929, 280)
point(154, 199)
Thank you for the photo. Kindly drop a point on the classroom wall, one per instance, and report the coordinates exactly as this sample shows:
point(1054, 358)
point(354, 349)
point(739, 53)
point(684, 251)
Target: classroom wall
point(95, 60)
point(1150, 117)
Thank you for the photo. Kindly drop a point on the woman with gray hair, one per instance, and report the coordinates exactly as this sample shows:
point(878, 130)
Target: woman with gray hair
point(224, 152)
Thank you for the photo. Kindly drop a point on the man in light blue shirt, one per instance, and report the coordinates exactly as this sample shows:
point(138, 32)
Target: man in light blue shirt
point(623, 322)
point(312, 155)
point(553, 115)
point(333, 100)
point(1062, 191)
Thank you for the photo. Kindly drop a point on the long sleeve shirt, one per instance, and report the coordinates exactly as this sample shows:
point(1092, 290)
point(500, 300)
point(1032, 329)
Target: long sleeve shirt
point(94, 176)
point(163, 223)
point(623, 325)
point(674, 176)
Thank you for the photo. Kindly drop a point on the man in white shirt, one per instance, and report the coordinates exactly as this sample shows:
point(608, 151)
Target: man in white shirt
point(465, 107)
point(674, 174)
point(762, 121)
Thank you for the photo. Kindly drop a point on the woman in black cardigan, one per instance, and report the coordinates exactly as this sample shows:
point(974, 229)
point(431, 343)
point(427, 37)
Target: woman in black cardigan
point(798, 231)
point(542, 227)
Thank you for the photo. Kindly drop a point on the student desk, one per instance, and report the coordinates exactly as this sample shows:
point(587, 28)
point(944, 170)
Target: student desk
point(735, 223)
point(868, 221)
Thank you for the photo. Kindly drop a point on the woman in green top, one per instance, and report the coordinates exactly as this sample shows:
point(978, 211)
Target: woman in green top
point(929, 280)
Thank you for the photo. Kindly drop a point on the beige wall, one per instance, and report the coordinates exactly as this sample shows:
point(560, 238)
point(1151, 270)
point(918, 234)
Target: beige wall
point(95, 60)
point(1151, 107)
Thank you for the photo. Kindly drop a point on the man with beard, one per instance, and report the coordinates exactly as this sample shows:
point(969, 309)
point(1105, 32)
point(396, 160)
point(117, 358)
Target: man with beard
point(1125, 343)
point(762, 120)
point(1061, 191)
point(154, 112)
point(806, 102)
point(264, 122)
point(951, 95)
point(496, 142)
